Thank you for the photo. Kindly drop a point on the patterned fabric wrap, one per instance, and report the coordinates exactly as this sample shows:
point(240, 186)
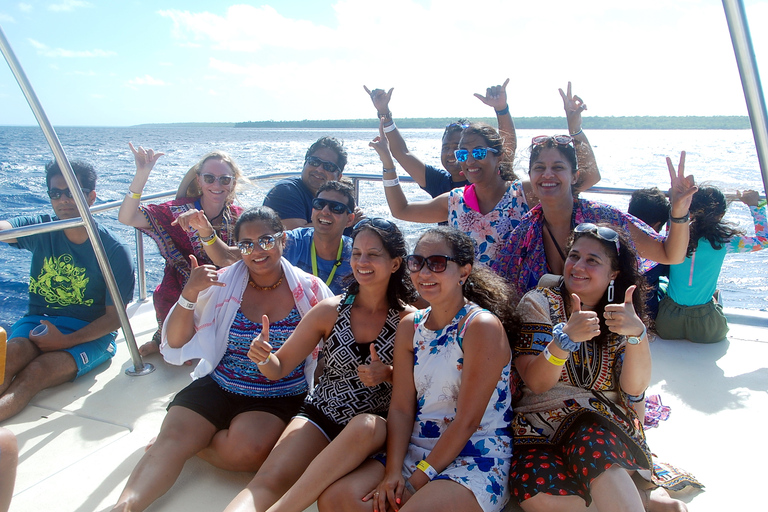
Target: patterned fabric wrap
point(521, 259)
point(483, 464)
point(489, 231)
point(339, 394)
point(236, 372)
point(588, 389)
point(175, 246)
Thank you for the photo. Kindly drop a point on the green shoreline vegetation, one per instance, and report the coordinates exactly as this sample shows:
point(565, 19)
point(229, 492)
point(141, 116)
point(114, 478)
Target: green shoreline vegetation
point(523, 123)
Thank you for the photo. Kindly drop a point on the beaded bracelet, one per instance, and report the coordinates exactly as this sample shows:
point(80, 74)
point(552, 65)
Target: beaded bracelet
point(562, 340)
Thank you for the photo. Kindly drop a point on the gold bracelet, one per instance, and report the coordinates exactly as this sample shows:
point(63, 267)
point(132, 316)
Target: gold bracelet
point(133, 195)
point(549, 356)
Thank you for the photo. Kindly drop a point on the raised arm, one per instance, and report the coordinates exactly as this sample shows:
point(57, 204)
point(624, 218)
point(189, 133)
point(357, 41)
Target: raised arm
point(496, 97)
point(589, 174)
point(412, 165)
point(129, 213)
point(747, 243)
point(673, 249)
point(432, 210)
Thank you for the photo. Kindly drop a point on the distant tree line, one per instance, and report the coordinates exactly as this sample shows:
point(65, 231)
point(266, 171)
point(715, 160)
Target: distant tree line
point(544, 123)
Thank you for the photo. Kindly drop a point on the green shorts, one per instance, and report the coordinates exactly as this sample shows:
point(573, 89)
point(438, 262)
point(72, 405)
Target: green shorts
point(705, 323)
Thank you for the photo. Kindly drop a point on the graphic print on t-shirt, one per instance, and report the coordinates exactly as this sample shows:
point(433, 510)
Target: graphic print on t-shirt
point(61, 282)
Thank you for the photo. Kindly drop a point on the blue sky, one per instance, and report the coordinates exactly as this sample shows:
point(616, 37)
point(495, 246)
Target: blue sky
point(118, 63)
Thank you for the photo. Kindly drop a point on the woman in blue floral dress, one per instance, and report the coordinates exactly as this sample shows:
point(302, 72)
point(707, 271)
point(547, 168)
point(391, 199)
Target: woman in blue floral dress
point(447, 439)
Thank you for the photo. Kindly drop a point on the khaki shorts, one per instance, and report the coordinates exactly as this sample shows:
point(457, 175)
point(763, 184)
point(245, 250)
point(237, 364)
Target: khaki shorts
point(700, 324)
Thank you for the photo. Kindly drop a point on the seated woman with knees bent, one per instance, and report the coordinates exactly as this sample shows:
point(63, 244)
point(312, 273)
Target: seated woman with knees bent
point(232, 414)
point(358, 330)
point(583, 356)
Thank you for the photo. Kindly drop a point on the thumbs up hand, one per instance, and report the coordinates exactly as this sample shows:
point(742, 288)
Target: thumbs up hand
point(582, 325)
point(260, 348)
point(622, 318)
point(376, 372)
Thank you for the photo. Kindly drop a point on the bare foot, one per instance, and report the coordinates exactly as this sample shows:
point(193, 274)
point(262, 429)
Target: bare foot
point(659, 500)
point(150, 443)
point(149, 347)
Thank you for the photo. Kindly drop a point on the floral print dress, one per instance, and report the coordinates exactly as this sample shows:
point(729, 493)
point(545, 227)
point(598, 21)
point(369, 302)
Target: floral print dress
point(483, 464)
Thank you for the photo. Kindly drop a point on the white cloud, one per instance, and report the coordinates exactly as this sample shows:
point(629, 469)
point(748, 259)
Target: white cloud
point(47, 51)
point(68, 5)
point(23, 7)
point(6, 18)
point(146, 80)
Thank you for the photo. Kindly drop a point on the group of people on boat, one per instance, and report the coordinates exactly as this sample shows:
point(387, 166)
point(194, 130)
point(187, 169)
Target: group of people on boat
point(505, 357)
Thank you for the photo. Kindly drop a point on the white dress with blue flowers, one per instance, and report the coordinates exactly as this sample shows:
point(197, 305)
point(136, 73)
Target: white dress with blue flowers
point(483, 464)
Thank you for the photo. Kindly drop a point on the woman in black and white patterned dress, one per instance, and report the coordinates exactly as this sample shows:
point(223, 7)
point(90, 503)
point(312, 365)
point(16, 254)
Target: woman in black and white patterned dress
point(358, 329)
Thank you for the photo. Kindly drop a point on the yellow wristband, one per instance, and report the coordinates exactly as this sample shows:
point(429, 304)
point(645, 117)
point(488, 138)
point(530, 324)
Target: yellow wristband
point(428, 470)
point(549, 356)
point(133, 195)
point(209, 240)
point(266, 360)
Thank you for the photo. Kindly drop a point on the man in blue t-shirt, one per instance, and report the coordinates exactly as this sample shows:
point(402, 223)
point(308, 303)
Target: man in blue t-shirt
point(67, 296)
point(323, 250)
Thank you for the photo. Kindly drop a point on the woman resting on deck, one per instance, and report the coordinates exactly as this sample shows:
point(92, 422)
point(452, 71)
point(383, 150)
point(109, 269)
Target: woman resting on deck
point(448, 444)
point(689, 311)
point(584, 357)
point(232, 414)
point(535, 246)
point(355, 388)
point(209, 186)
point(490, 207)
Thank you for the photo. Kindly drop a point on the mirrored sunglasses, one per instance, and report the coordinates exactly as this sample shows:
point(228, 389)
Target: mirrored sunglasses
point(266, 242)
point(55, 193)
point(602, 232)
point(313, 161)
point(211, 178)
point(436, 263)
point(457, 125)
point(335, 206)
point(377, 222)
point(477, 153)
point(562, 140)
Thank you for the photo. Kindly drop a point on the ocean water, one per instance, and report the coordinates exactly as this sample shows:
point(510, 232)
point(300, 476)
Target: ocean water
point(627, 158)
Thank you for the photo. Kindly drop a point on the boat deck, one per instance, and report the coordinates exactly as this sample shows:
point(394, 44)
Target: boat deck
point(79, 442)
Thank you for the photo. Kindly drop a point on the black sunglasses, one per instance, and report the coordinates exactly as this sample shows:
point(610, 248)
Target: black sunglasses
point(335, 206)
point(313, 161)
point(377, 222)
point(55, 193)
point(601, 232)
point(266, 242)
point(436, 263)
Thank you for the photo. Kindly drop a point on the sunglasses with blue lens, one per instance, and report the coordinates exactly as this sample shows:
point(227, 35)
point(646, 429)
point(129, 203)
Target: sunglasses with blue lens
point(266, 242)
point(436, 263)
point(377, 222)
point(313, 161)
point(56, 193)
point(335, 206)
point(477, 153)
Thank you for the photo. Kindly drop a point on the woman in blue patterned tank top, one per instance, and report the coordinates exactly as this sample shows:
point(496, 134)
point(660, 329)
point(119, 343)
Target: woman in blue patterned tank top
point(341, 422)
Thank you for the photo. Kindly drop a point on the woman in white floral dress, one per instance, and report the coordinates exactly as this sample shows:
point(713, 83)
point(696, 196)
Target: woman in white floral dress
point(448, 446)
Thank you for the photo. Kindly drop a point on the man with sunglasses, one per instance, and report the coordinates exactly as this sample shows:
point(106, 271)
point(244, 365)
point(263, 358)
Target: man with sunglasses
point(68, 298)
point(292, 197)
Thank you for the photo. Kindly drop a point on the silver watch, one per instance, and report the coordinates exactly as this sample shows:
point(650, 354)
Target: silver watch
point(634, 340)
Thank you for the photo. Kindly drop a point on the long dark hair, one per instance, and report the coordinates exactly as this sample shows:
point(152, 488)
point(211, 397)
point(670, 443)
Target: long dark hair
point(569, 153)
point(495, 141)
point(400, 289)
point(629, 274)
point(483, 286)
point(708, 206)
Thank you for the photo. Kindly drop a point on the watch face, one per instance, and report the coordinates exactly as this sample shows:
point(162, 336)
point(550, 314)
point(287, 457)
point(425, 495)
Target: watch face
point(633, 340)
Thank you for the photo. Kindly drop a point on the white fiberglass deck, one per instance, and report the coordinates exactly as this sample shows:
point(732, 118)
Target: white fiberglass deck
point(79, 442)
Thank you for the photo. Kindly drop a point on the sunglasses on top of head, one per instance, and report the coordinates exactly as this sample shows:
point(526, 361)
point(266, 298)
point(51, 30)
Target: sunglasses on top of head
point(56, 193)
point(560, 140)
point(211, 178)
point(477, 153)
point(602, 232)
point(266, 242)
point(313, 161)
point(377, 222)
point(335, 206)
point(436, 263)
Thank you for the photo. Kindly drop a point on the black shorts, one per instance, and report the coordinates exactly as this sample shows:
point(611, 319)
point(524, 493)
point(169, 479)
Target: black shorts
point(219, 406)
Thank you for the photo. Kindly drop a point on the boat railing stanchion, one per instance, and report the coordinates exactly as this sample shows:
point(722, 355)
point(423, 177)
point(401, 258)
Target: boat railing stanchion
point(141, 271)
point(139, 367)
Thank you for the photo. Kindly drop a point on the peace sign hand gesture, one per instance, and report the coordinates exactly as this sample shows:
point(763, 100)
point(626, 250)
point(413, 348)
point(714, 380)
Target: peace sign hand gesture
point(682, 188)
point(573, 106)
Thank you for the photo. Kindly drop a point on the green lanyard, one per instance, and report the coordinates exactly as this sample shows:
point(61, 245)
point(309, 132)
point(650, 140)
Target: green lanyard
point(335, 265)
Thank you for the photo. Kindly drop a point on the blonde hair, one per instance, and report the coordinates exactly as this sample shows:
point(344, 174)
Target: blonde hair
point(193, 189)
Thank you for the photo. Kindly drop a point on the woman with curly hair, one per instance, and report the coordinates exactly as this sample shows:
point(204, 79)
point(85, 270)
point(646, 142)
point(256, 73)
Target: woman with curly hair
point(689, 311)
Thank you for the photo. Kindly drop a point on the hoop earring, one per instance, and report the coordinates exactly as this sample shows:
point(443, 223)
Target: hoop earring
point(610, 292)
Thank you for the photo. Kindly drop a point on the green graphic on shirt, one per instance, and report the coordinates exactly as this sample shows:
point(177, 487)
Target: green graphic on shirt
point(61, 282)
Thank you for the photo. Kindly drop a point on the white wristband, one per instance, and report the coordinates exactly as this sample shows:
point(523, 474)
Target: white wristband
point(391, 183)
point(266, 360)
point(390, 128)
point(186, 304)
